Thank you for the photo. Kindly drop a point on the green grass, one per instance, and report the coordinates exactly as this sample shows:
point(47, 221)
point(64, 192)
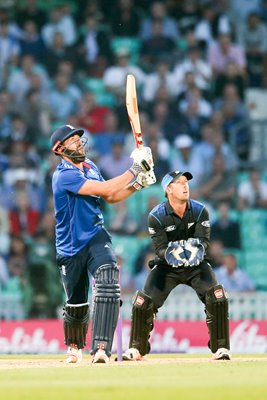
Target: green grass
point(235, 380)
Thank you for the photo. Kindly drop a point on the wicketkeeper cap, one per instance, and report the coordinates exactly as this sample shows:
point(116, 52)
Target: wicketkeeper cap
point(173, 176)
point(62, 133)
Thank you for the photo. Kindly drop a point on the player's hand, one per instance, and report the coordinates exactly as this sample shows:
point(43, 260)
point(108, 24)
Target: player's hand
point(148, 178)
point(143, 158)
point(194, 251)
point(175, 255)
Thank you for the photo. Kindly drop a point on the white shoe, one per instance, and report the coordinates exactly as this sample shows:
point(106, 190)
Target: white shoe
point(132, 354)
point(222, 354)
point(74, 355)
point(100, 357)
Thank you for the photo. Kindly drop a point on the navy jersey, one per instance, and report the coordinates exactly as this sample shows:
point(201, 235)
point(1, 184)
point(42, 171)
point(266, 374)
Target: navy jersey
point(78, 218)
point(165, 226)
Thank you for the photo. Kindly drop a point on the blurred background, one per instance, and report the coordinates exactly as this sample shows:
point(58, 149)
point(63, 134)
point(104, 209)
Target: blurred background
point(201, 71)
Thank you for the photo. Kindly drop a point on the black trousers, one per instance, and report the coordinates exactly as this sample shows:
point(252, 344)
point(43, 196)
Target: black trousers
point(163, 279)
point(75, 270)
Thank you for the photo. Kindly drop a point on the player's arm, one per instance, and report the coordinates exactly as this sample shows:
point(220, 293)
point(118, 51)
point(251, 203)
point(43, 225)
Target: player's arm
point(111, 190)
point(158, 236)
point(202, 229)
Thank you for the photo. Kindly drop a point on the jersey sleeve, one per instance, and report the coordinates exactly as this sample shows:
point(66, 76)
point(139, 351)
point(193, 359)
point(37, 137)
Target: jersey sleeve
point(72, 180)
point(158, 235)
point(202, 228)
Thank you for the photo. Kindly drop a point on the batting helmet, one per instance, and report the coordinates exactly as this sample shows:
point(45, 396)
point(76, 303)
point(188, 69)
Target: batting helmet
point(172, 176)
point(62, 133)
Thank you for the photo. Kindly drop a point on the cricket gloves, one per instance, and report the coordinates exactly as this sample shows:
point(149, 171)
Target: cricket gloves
point(187, 253)
point(143, 180)
point(175, 255)
point(194, 251)
point(142, 158)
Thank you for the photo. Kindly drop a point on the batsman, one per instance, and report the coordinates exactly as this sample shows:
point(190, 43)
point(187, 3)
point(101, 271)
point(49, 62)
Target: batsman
point(180, 232)
point(83, 245)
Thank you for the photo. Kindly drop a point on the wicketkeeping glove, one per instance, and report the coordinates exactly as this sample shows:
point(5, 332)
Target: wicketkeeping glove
point(194, 252)
point(175, 255)
point(142, 158)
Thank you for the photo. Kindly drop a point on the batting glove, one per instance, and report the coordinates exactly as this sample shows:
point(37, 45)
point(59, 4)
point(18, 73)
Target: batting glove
point(143, 158)
point(194, 251)
point(175, 255)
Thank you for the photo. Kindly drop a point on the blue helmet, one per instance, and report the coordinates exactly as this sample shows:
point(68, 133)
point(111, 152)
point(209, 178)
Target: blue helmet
point(172, 176)
point(62, 133)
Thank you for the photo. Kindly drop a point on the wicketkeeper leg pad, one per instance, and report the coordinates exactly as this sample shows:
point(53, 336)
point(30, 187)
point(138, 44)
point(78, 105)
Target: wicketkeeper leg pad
point(142, 322)
point(106, 308)
point(76, 320)
point(217, 318)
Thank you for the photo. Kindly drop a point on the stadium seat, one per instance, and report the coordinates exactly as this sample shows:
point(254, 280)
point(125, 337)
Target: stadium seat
point(128, 248)
point(255, 265)
point(131, 44)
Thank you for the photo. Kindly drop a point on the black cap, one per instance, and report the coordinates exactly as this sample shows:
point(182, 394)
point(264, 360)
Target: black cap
point(62, 133)
point(171, 176)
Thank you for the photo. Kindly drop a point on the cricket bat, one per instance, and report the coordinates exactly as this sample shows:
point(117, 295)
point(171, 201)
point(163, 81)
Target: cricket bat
point(132, 109)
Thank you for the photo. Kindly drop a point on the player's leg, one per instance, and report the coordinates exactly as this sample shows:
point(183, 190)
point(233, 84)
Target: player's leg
point(215, 298)
point(106, 311)
point(159, 284)
point(76, 309)
point(103, 266)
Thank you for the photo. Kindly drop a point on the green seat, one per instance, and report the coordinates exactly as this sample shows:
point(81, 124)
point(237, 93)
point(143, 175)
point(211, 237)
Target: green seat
point(106, 99)
point(256, 267)
point(254, 227)
point(131, 44)
point(95, 85)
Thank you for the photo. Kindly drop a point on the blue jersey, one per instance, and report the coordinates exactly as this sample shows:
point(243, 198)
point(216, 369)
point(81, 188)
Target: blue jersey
point(78, 218)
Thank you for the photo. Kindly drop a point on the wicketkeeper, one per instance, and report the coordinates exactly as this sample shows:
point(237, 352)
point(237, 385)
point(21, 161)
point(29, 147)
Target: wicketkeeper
point(83, 245)
point(180, 232)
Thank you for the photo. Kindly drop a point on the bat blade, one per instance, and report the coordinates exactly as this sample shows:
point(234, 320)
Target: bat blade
point(132, 109)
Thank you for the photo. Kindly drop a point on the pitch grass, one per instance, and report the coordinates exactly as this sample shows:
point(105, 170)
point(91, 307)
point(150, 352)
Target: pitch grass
point(181, 380)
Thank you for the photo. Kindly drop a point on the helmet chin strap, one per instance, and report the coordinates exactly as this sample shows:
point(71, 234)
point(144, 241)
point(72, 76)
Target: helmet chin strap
point(73, 155)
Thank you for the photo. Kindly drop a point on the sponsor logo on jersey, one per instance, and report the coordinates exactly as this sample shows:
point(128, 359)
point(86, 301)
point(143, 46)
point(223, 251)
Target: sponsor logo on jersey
point(170, 228)
point(218, 293)
point(151, 230)
point(139, 300)
point(66, 165)
point(190, 224)
point(63, 269)
point(106, 245)
point(206, 223)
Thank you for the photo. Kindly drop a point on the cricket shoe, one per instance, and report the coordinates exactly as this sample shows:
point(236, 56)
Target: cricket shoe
point(132, 354)
point(100, 357)
point(222, 354)
point(74, 355)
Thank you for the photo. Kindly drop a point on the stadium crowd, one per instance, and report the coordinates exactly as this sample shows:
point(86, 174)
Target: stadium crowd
point(67, 61)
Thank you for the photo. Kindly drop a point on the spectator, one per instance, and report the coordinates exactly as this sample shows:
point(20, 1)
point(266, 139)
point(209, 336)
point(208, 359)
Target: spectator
point(117, 159)
point(30, 11)
point(161, 165)
point(166, 119)
point(114, 77)
point(31, 41)
point(60, 21)
point(194, 63)
point(224, 51)
point(187, 14)
point(252, 193)
point(58, 51)
point(19, 81)
point(126, 19)
point(216, 253)
point(230, 75)
point(23, 218)
point(233, 278)
point(9, 53)
point(157, 46)
point(94, 47)
point(161, 76)
point(158, 11)
point(63, 98)
point(187, 159)
point(225, 228)
point(253, 38)
point(4, 231)
point(4, 272)
point(91, 116)
point(219, 185)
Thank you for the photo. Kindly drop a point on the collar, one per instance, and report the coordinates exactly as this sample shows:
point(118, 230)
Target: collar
point(170, 210)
